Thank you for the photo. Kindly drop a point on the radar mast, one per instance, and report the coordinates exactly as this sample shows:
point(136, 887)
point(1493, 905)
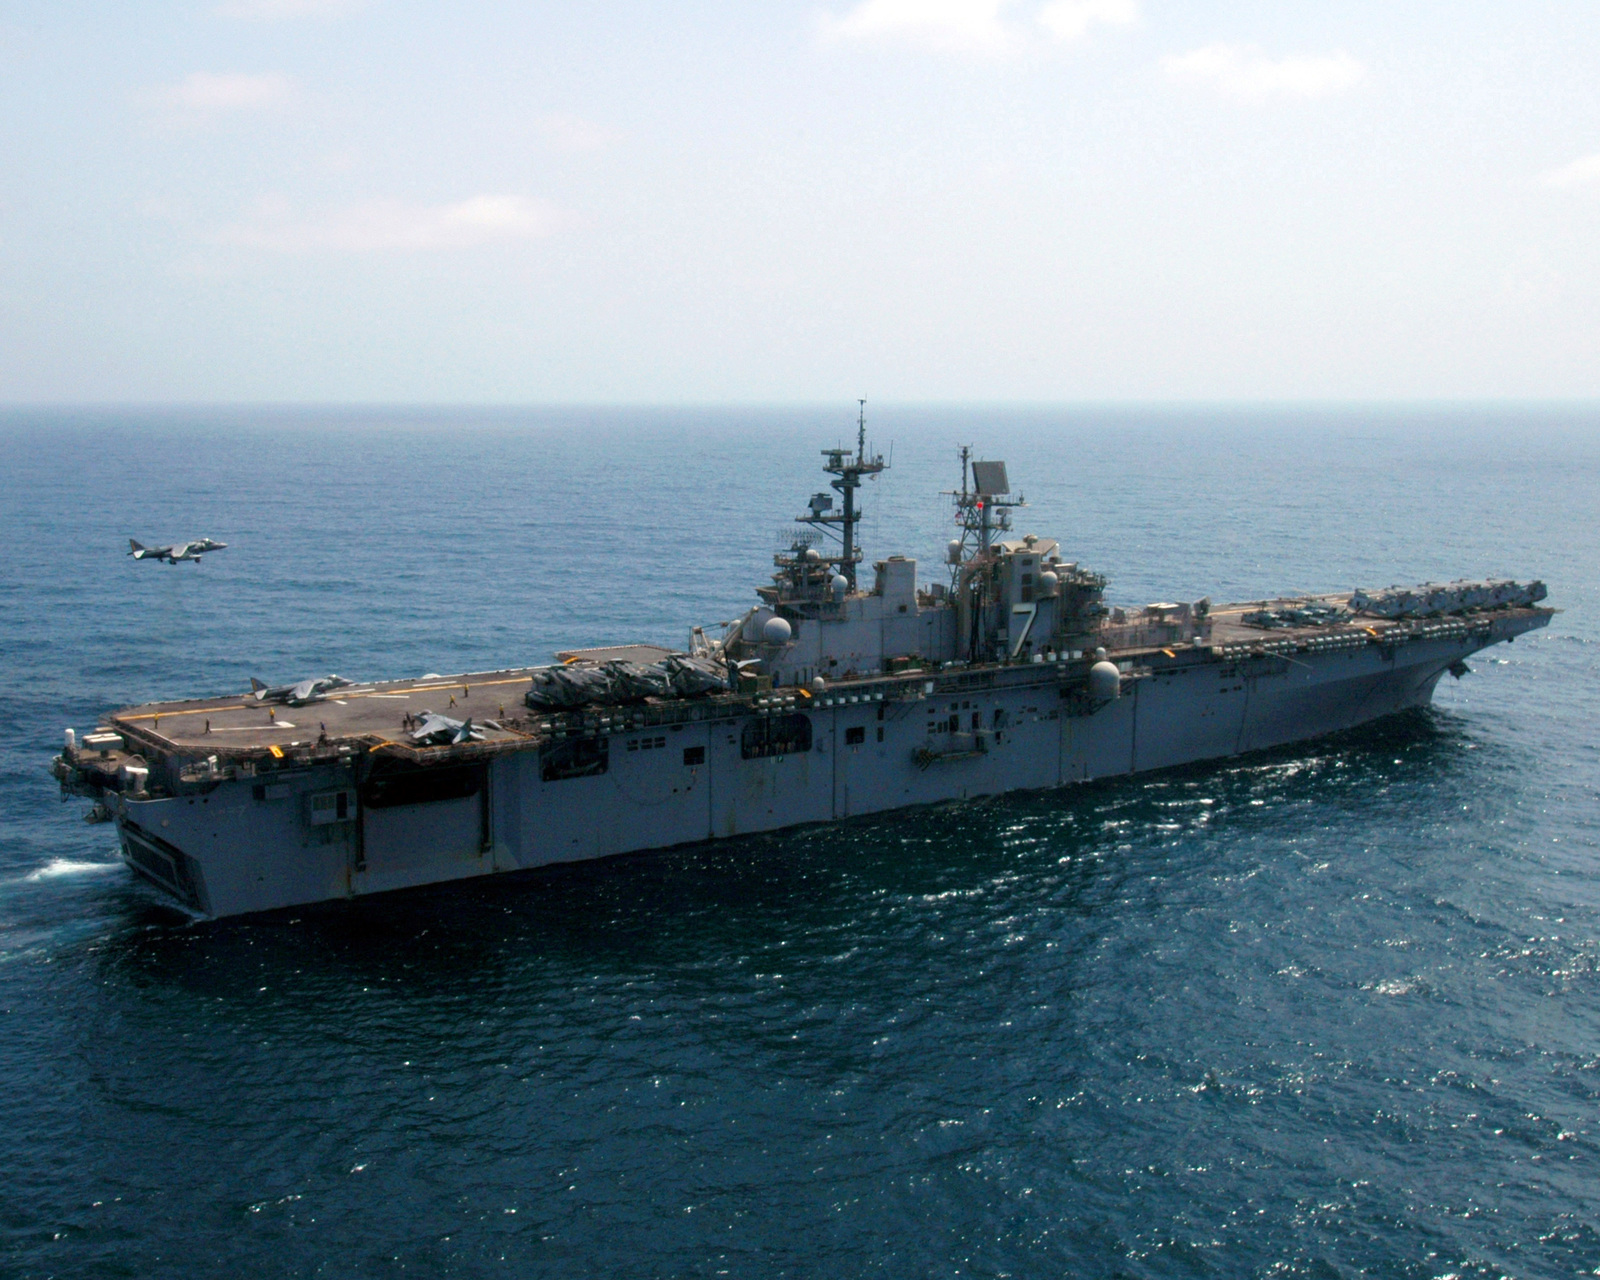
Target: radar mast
point(983, 507)
point(849, 468)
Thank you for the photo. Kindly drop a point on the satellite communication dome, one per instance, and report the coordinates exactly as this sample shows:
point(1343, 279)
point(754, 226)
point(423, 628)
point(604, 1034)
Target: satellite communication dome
point(777, 631)
point(840, 585)
point(755, 624)
point(952, 551)
point(1105, 681)
point(813, 555)
point(1048, 582)
point(817, 682)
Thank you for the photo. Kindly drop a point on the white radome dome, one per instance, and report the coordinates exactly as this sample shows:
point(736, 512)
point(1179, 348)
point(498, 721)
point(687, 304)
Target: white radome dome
point(777, 631)
point(1105, 681)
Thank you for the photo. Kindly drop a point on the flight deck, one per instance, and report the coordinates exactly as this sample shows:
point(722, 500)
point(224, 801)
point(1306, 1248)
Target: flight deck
point(379, 716)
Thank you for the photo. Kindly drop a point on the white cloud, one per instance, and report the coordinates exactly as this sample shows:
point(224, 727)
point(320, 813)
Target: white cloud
point(392, 226)
point(1072, 19)
point(277, 10)
point(206, 92)
point(1246, 73)
point(974, 26)
point(1580, 173)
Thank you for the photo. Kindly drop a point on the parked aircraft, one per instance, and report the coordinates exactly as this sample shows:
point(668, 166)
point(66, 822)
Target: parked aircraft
point(438, 730)
point(297, 695)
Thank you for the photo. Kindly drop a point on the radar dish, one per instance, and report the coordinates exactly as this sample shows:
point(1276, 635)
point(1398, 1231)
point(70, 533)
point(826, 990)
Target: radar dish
point(797, 539)
point(989, 478)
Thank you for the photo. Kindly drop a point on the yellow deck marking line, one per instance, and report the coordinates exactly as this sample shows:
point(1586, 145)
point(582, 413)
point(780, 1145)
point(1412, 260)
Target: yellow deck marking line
point(454, 684)
point(250, 706)
point(198, 711)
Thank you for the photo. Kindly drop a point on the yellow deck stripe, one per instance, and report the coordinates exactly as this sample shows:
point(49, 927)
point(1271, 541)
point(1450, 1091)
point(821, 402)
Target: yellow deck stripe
point(259, 706)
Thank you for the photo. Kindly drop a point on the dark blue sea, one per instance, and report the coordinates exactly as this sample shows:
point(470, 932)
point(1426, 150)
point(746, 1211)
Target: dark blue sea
point(1329, 1012)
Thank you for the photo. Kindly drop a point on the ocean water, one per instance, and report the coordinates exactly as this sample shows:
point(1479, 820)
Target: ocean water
point(1330, 1011)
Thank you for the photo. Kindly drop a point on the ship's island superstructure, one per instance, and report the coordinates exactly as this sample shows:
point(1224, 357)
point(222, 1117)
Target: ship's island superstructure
point(828, 699)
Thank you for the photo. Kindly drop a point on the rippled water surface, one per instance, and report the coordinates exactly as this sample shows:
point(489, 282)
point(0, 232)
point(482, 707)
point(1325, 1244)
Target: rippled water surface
point(1331, 1011)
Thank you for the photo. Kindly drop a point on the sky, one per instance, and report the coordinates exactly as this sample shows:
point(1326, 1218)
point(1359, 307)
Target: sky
point(989, 201)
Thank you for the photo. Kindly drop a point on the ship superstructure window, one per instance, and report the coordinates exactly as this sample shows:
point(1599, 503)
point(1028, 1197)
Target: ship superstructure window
point(574, 758)
point(694, 755)
point(775, 736)
point(331, 806)
point(855, 737)
point(647, 744)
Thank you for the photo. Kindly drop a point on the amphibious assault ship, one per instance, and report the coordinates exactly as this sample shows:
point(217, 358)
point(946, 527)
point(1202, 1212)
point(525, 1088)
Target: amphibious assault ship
point(829, 698)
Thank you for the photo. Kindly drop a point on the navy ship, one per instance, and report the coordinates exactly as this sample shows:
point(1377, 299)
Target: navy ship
point(829, 698)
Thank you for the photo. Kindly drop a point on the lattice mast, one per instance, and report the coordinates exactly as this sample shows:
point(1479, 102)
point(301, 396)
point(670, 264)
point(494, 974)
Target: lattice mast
point(849, 470)
point(983, 508)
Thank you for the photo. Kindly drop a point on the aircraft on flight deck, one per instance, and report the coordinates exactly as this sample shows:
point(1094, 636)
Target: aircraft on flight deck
point(434, 729)
point(297, 695)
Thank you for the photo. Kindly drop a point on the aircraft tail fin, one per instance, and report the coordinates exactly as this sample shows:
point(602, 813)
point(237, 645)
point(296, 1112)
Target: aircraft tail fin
point(134, 548)
point(255, 685)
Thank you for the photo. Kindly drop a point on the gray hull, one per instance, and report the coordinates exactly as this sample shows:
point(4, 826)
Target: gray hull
point(311, 835)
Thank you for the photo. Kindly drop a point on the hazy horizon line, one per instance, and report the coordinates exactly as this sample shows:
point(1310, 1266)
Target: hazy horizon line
point(486, 406)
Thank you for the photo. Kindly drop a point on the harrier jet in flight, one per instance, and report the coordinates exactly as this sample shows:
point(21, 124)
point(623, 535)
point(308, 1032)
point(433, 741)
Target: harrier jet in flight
point(176, 552)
